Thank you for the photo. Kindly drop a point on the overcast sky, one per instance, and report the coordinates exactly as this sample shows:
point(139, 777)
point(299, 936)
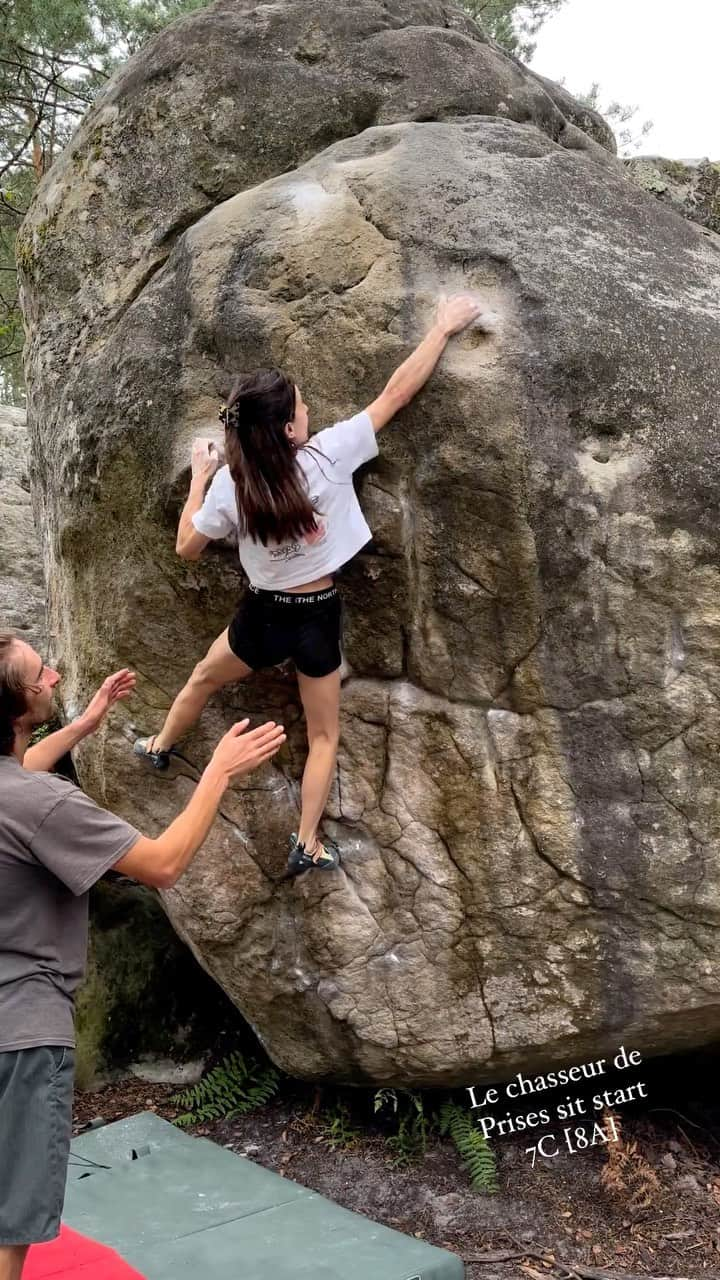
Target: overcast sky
point(663, 55)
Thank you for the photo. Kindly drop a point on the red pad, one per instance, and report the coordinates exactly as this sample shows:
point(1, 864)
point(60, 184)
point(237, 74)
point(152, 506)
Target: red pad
point(73, 1256)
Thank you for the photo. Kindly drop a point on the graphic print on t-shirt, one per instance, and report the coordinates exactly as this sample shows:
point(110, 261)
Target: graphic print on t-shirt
point(288, 551)
point(294, 550)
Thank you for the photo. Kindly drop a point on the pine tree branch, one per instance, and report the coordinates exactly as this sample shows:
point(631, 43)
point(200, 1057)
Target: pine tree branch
point(31, 135)
point(40, 75)
point(19, 213)
point(63, 62)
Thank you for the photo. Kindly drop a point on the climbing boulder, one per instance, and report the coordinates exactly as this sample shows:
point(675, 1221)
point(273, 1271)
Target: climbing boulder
point(525, 799)
point(690, 186)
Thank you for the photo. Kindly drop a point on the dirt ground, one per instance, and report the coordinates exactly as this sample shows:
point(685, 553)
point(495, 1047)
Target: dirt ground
point(648, 1205)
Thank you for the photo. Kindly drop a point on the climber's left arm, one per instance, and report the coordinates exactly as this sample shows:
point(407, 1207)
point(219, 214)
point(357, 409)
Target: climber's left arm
point(192, 541)
point(453, 315)
point(44, 755)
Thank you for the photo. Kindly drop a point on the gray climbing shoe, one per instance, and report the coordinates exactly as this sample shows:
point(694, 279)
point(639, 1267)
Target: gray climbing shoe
point(301, 859)
point(159, 760)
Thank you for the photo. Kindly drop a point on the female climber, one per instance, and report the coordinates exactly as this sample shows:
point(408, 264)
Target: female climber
point(290, 500)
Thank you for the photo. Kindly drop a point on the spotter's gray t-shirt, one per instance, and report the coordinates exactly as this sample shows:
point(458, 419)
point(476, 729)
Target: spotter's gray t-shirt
point(54, 844)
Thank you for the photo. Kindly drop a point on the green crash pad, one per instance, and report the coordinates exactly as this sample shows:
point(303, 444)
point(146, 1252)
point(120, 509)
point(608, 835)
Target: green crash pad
point(175, 1206)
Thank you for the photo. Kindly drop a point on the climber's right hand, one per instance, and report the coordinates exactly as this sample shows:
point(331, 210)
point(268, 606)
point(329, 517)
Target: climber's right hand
point(238, 752)
point(456, 313)
point(204, 459)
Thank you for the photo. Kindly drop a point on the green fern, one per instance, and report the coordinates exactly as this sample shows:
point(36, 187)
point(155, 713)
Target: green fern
point(414, 1124)
point(237, 1085)
point(385, 1098)
point(40, 732)
point(476, 1154)
point(338, 1130)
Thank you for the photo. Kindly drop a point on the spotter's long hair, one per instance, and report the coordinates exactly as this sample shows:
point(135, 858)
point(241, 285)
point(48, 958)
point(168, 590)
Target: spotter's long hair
point(13, 701)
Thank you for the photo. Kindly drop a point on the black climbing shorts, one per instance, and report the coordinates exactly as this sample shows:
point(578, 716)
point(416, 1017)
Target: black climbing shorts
point(271, 626)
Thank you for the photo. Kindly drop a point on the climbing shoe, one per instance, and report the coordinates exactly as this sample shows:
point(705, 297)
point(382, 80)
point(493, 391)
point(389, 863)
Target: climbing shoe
point(301, 859)
point(159, 760)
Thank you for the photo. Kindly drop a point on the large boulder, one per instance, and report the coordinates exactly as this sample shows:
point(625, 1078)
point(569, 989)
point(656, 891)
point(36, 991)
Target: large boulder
point(690, 186)
point(526, 792)
point(231, 96)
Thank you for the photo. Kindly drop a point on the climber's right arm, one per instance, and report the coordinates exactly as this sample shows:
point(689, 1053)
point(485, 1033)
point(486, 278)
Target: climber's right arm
point(160, 862)
point(453, 315)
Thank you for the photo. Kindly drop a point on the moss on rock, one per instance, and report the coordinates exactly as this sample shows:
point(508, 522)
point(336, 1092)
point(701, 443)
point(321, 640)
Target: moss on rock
point(144, 993)
point(692, 189)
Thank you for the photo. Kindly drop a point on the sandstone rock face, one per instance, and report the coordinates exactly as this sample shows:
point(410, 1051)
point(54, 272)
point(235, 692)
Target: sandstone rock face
point(526, 792)
point(22, 587)
point(228, 98)
point(691, 187)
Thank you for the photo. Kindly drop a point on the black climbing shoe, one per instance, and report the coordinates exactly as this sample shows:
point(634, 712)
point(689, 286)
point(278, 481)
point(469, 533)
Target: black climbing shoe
point(159, 760)
point(301, 859)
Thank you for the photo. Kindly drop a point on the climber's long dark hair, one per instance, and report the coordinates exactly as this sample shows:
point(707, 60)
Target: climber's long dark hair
point(272, 498)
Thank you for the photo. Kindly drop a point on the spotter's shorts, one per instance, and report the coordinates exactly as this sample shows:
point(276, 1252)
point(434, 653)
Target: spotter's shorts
point(271, 626)
point(36, 1091)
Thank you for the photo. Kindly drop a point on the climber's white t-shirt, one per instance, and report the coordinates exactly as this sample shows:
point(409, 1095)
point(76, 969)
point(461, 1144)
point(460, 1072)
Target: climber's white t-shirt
point(328, 462)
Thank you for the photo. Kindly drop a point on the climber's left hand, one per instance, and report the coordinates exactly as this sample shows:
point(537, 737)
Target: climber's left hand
point(204, 459)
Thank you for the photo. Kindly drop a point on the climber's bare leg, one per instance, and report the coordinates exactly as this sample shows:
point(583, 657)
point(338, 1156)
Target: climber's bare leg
point(321, 703)
point(219, 667)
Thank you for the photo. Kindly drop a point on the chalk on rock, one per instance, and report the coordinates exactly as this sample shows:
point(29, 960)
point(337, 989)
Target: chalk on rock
point(488, 321)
